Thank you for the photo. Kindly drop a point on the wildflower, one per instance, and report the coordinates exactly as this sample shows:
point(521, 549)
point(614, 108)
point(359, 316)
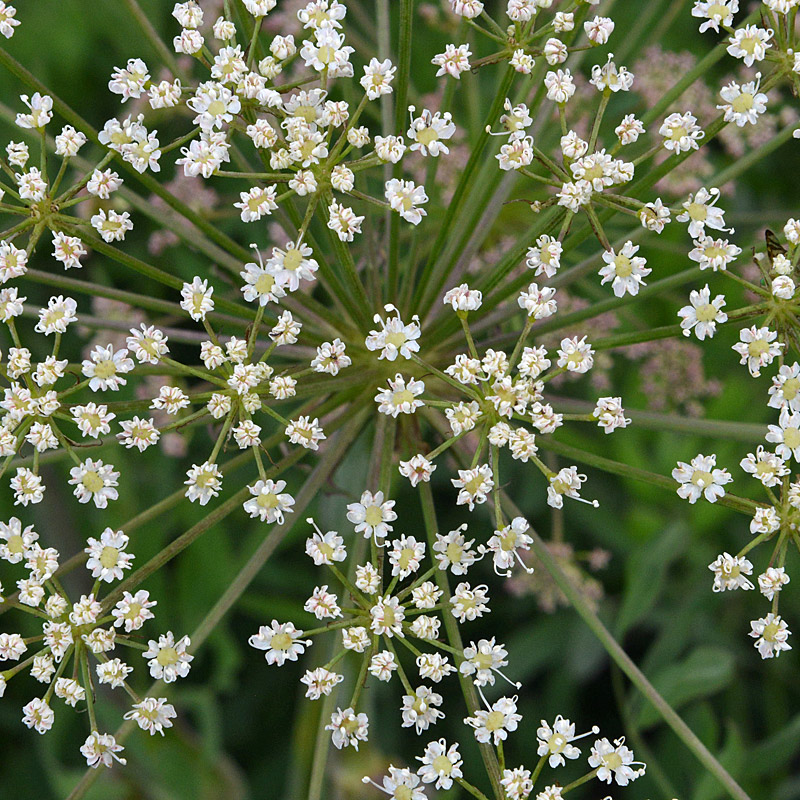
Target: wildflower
point(560, 86)
point(429, 131)
point(382, 665)
point(469, 603)
point(462, 299)
point(474, 485)
point(132, 611)
point(95, 481)
point(772, 581)
point(169, 659)
point(405, 197)
point(38, 715)
point(730, 573)
point(575, 355)
point(786, 435)
point(204, 482)
point(420, 709)
point(305, 432)
point(268, 501)
point(377, 78)
point(715, 12)
point(614, 761)
point(567, 482)
point(343, 221)
point(371, 516)
point(750, 43)
point(152, 714)
point(495, 724)
point(681, 133)
point(701, 478)
point(703, 314)
point(440, 764)
point(771, 634)
point(320, 682)
point(348, 728)
point(417, 469)
point(743, 104)
point(107, 556)
point(101, 748)
point(625, 269)
point(757, 348)
point(453, 61)
point(714, 254)
point(400, 397)
point(399, 784)
point(394, 337)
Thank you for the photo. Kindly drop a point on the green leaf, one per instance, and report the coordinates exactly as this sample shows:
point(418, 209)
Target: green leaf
point(703, 672)
point(645, 573)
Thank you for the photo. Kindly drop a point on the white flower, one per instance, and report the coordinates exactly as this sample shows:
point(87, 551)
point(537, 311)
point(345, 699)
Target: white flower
point(344, 221)
point(305, 432)
point(610, 414)
point(348, 728)
point(730, 573)
point(703, 314)
point(101, 748)
point(599, 29)
point(41, 106)
point(382, 665)
point(133, 610)
point(715, 12)
point(469, 603)
point(750, 43)
point(400, 784)
point(463, 299)
point(256, 203)
point(453, 551)
point(197, 300)
point(539, 303)
point(560, 86)
point(394, 337)
point(505, 543)
point(320, 681)
point(405, 555)
point(204, 482)
point(700, 212)
point(681, 132)
point(400, 397)
point(772, 581)
point(453, 61)
point(714, 254)
point(701, 478)
point(743, 104)
point(567, 482)
point(281, 641)
point(625, 269)
point(757, 348)
point(38, 715)
point(107, 558)
point(152, 714)
point(377, 78)
point(771, 634)
point(440, 764)
point(169, 660)
point(474, 485)
point(323, 604)
point(614, 761)
point(421, 709)
point(575, 355)
point(495, 724)
point(654, 216)
point(786, 435)
point(269, 501)
point(7, 21)
point(371, 516)
point(405, 197)
point(95, 481)
point(429, 131)
point(417, 469)
point(785, 389)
